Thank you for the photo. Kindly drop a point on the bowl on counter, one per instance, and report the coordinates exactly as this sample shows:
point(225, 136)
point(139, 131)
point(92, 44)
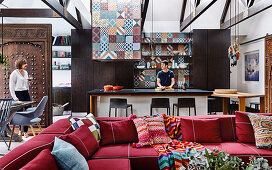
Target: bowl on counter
point(117, 87)
point(108, 87)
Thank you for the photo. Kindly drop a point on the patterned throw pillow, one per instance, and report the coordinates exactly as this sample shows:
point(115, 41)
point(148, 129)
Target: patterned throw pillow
point(88, 120)
point(262, 126)
point(151, 130)
point(173, 127)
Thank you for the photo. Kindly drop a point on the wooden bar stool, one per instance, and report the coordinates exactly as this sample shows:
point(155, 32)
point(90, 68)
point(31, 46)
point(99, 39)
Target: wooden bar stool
point(184, 103)
point(118, 103)
point(160, 103)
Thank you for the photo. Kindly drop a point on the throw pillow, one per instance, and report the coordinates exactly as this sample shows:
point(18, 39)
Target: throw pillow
point(173, 126)
point(83, 140)
point(88, 120)
point(114, 132)
point(200, 130)
point(244, 129)
point(262, 126)
point(67, 156)
point(143, 132)
point(43, 161)
point(151, 130)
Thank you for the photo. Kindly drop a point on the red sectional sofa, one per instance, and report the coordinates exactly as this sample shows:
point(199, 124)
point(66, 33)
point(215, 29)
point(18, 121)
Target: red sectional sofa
point(124, 156)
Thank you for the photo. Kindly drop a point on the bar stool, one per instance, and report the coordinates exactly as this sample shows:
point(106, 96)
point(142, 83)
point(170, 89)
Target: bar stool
point(256, 104)
point(118, 103)
point(160, 103)
point(184, 103)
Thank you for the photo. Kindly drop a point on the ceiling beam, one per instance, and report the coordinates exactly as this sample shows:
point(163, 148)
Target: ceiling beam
point(200, 9)
point(1, 1)
point(144, 12)
point(197, 2)
point(78, 16)
point(62, 11)
point(28, 13)
point(85, 14)
point(183, 10)
point(225, 11)
point(254, 10)
point(250, 3)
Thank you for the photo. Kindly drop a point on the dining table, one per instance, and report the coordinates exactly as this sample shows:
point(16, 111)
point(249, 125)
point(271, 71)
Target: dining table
point(15, 106)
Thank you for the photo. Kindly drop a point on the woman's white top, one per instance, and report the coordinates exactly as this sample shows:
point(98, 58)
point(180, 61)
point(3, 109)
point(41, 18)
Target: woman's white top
point(18, 82)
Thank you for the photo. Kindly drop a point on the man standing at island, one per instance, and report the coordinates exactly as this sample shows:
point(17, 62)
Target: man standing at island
point(165, 77)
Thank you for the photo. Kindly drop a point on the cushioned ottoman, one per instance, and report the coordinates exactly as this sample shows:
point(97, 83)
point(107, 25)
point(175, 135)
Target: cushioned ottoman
point(109, 164)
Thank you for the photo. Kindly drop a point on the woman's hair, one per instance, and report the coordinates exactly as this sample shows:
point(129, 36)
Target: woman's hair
point(20, 62)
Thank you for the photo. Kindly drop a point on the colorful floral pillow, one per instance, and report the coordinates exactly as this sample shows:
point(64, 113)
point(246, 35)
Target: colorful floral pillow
point(88, 120)
point(262, 126)
point(151, 130)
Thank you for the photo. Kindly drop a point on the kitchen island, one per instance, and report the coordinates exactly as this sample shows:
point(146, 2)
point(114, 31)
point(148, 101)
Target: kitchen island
point(98, 100)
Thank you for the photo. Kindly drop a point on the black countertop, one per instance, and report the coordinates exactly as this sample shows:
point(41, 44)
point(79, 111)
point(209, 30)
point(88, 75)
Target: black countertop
point(197, 92)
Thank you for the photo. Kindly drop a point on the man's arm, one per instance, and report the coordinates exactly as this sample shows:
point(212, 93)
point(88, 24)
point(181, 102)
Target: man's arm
point(159, 82)
point(172, 82)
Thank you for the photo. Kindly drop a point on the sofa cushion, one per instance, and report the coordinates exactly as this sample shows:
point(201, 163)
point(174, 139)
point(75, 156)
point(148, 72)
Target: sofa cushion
point(43, 161)
point(22, 154)
point(227, 125)
point(67, 156)
point(112, 151)
point(117, 132)
point(61, 126)
point(200, 130)
point(262, 126)
point(83, 140)
point(88, 120)
point(140, 158)
point(244, 129)
point(109, 164)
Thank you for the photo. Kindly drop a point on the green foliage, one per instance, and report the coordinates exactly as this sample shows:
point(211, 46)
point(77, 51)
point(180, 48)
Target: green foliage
point(6, 66)
point(219, 160)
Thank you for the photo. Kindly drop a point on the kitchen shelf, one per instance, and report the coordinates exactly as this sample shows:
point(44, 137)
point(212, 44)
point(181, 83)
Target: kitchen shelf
point(62, 69)
point(61, 45)
point(61, 57)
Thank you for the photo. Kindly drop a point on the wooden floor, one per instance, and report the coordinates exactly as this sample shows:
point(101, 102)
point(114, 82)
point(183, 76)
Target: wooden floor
point(29, 130)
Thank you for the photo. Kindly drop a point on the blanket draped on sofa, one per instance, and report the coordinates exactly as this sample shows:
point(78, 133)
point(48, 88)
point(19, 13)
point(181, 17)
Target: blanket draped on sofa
point(176, 154)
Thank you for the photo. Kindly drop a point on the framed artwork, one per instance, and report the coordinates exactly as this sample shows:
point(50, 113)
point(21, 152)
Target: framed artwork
point(252, 66)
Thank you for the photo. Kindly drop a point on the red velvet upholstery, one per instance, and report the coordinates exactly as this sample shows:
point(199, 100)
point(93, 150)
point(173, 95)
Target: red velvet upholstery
point(23, 154)
point(244, 129)
point(140, 158)
point(200, 130)
point(83, 140)
point(43, 161)
point(227, 125)
point(109, 164)
point(62, 126)
point(115, 133)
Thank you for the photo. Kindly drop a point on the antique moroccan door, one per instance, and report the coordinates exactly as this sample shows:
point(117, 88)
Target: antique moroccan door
point(33, 43)
point(268, 74)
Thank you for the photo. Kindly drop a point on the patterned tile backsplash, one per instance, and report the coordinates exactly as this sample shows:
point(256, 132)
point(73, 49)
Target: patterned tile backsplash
point(116, 28)
point(165, 46)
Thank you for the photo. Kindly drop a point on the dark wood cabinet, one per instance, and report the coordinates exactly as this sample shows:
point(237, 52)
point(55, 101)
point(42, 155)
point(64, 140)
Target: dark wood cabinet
point(88, 74)
point(210, 59)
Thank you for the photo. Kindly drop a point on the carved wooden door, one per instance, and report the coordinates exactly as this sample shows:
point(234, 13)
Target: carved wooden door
point(32, 42)
point(35, 68)
point(268, 74)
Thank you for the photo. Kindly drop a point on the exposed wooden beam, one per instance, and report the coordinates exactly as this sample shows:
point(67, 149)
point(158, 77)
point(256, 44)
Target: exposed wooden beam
point(200, 9)
point(183, 10)
point(225, 11)
point(250, 3)
point(29, 13)
point(1, 1)
point(254, 10)
point(61, 2)
point(197, 2)
point(146, 2)
point(62, 11)
point(78, 16)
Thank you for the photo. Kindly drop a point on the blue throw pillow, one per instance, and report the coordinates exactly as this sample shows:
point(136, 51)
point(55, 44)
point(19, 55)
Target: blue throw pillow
point(67, 156)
